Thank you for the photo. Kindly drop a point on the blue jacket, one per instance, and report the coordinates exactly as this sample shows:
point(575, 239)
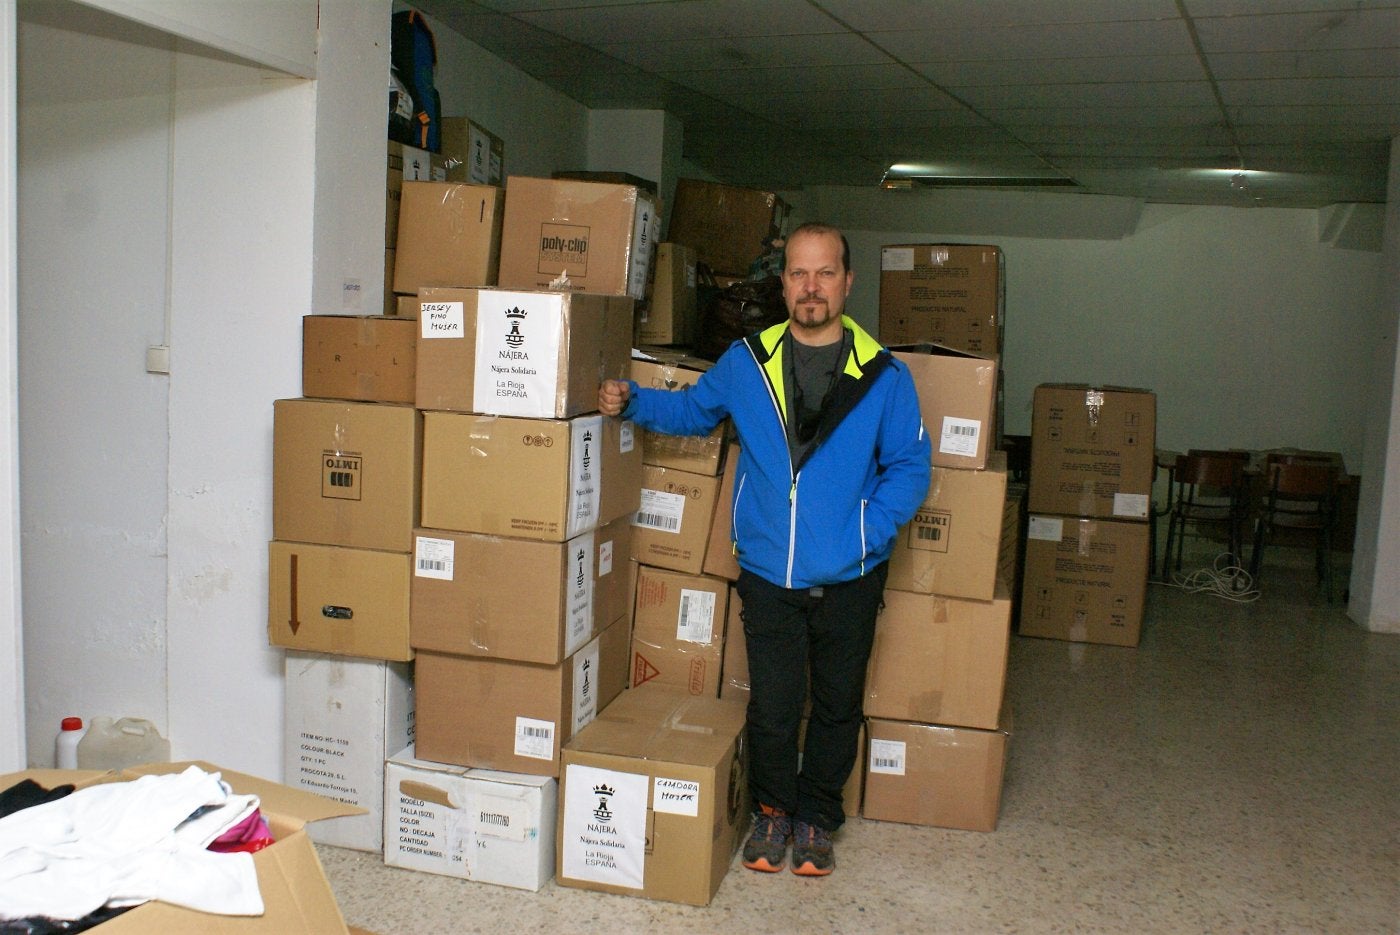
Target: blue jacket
point(835, 515)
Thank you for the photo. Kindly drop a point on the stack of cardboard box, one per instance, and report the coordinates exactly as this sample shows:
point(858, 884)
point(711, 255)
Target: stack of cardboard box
point(728, 226)
point(1092, 462)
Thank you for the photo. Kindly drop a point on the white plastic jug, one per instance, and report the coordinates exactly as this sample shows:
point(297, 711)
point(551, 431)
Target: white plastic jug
point(129, 741)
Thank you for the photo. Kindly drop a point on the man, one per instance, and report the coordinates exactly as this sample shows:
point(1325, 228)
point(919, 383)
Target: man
point(833, 460)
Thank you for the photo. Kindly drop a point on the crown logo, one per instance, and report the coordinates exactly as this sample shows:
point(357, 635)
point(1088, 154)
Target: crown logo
point(516, 312)
point(604, 792)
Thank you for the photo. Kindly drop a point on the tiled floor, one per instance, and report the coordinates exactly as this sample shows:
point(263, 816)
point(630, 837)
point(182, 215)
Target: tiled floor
point(1237, 772)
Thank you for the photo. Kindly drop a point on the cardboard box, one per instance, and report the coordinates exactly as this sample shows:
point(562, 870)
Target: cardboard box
point(957, 399)
point(654, 797)
point(544, 479)
point(615, 178)
point(360, 357)
point(296, 895)
point(949, 294)
point(929, 774)
point(474, 824)
point(586, 236)
point(1011, 554)
point(515, 716)
point(333, 599)
point(952, 546)
point(1085, 580)
point(1093, 451)
point(406, 306)
point(728, 226)
point(671, 528)
point(669, 314)
point(521, 599)
point(734, 670)
point(662, 368)
point(345, 473)
point(449, 235)
point(678, 630)
point(389, 300)
point(939, 660)
point(532, 354)
point(406, 163)
point(720, 559)
point(472, 153)
point(343, 716)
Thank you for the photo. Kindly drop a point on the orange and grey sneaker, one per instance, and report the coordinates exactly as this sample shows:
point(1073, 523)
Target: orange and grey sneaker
point(766, 848)
point(812, 853)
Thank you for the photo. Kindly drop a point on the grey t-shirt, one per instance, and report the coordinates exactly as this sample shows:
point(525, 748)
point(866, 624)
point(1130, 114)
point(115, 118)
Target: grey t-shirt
point(812, 375)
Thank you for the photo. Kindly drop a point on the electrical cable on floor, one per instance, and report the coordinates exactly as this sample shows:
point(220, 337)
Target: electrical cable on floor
point(1224, 579)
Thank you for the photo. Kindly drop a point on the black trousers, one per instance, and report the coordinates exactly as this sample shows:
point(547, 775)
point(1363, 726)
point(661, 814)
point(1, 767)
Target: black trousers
point(825, 633)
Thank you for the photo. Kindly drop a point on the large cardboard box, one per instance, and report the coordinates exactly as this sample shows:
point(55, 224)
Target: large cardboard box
point(1011, 555)
point(931, 774)
point(361, 357)
point(661, 368)
point(654, 797)
point(531, 354)
point(587, 236)
point(474, 824)
point(342, 717)
point(952, 546)
point(296, 895)
point(668, 316)
point(671, 528)
point(734, 670)
point(406, 164)
point(678, 630)
point(1093, 451)
point(521, 599)
point(939, 660)
point(949, 294)
point(334, 599)
point(472, 153)
point(728, 226)
point(957, 399)
point(345, 473)
point(547, 479)
point(720, 559)
point(449, 235)
point(515, 716)
point(1085, 580)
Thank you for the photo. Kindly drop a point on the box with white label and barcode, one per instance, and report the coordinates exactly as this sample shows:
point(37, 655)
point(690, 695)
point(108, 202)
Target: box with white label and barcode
point(929, 774)
point(952, 544)
point(957, 399)
point(671, 528)
point(678, 630)
point(475, 824)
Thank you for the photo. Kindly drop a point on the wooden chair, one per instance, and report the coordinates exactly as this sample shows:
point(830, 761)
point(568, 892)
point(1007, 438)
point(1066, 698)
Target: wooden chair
point(1210, 490)
point(1300, 495)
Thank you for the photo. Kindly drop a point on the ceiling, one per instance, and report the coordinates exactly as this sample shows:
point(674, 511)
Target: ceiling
point(1283, 103)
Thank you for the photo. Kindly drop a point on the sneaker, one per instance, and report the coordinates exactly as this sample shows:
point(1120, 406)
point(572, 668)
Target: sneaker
point(812, 853)
point(766, 848)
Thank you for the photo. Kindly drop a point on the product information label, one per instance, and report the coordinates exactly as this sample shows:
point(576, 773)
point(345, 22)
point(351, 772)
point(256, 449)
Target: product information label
point(585, 473)
point(1045, 528)
point(1130, 504)
point(534, 738)
point(646, 227)
point(604, 826)
point(518, 335)
point(675, 796)
point(887, 756)
point(959, 437)
point(605, 559)
point(433, 558)
point(660, 510)
point(578, 625)
point(628, 437)
point(897, 259)
point(695, 623)
point(499, 817)
point(441, 320)
point(585, 686)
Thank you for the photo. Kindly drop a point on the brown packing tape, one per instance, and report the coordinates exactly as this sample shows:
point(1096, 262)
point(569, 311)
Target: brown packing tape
point(427, 792)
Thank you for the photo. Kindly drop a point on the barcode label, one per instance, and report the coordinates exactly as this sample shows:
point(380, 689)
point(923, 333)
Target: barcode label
point(656, 521)
point(433, 558)
point(696, 621)
point(887, 756)
point(534, 738)
point(660, 510)
point(959, 437)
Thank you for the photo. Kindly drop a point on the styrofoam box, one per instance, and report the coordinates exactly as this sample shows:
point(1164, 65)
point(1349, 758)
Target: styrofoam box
point(475, 824)
point(344, 716)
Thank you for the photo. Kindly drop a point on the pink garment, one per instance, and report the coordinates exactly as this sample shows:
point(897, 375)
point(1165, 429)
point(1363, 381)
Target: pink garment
point(250, 835)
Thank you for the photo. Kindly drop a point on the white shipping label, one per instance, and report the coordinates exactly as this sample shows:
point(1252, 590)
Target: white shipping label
point(627, 437)
point(1130, 504)
point(887, 756)
point(897, 259)
point(417, 165)
point(605, 559)
point(959, 436)
point(441, 320)
point(645, 228)
point(498, 817)
point(690, 275)
point(578, 626)
point(585, 686)
point(585, 473)
point(433, 558)
point(675, 796)
point(604, 826)
point(660, 510)
point(695, 623)
point(518, 335)
point(1045, 528)
point(534, 738)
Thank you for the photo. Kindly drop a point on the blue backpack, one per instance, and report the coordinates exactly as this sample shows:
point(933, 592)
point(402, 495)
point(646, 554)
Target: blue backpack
point(415, 109)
